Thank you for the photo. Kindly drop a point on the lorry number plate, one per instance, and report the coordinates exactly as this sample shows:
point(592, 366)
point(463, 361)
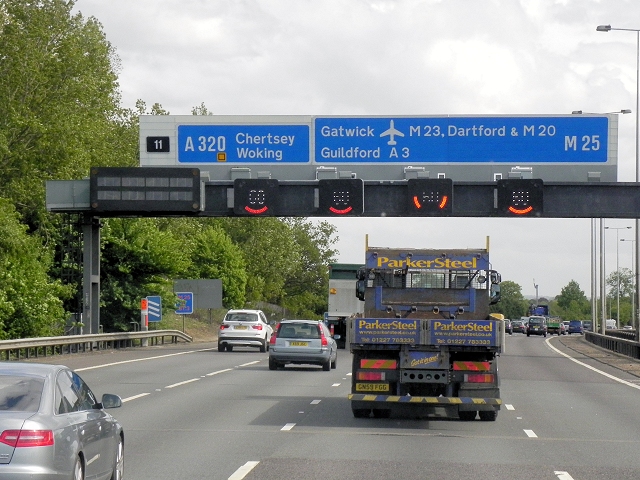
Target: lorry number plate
point(372, 387)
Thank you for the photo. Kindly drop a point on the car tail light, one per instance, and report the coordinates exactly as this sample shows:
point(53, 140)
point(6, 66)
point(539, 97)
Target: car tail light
point(272, 340)
point(323, 339)
point(479, 378)
point(257, 327)
point(27, 438)
point(223, 326)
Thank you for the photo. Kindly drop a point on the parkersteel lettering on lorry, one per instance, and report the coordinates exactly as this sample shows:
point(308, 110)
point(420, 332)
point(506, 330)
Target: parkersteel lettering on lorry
point(463, 327)
point(444, 263)
point(379, 324)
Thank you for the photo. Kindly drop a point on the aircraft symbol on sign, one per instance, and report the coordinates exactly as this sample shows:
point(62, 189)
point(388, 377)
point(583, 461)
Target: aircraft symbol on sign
point(392, 132)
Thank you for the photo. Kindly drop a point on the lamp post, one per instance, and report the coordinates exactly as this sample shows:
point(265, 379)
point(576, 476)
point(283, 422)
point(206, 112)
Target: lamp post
point(633, 293)
point(608, 28)
point(617, 229)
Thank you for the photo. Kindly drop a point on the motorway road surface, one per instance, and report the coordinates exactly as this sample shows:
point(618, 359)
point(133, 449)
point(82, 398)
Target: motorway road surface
point(191, 412)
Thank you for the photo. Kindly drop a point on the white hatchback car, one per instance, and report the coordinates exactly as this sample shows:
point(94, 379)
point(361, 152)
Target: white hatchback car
point(244, 328)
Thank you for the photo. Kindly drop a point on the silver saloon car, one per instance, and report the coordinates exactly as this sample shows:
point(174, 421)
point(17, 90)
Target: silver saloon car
point(302, 342)
point(52, 426)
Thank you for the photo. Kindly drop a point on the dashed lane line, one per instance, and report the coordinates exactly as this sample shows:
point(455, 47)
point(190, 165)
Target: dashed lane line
point(242, 472)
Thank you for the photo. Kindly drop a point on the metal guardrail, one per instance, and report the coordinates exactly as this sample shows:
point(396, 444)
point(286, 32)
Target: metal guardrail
point(630, 348)
point(44, 346)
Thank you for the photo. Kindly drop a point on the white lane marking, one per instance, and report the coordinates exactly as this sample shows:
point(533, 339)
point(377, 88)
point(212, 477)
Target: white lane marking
point(563, 476)
point(242, 472)
point(141, 359)
point(93, 459)
point(530, 434)
point(288, 427)
point(509, 407)
point(335, 385)
point(315, 402)
point(134, 397)
point(619, 380)
point(349, 374)
point(182, 383)
point(219, 371)
point(250, 363)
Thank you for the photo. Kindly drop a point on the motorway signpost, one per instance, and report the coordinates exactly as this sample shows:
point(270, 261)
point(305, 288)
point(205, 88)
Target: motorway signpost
point(154, 305)
point(184, 305)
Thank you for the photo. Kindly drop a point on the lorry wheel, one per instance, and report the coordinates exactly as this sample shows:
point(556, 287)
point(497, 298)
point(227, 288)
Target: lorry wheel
point(381, 413)
point(489, 416)
point(360, 412)
point(467, 416)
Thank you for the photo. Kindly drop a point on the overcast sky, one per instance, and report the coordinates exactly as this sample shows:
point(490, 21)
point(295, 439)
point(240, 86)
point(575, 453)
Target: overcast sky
point(386, 57)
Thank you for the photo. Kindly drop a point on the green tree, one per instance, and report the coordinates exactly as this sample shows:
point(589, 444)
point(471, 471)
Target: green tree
point(572, 303)
point(59, 100)
point(138, 259)
point(30, 304)
point(307, 285)
point(512, 303)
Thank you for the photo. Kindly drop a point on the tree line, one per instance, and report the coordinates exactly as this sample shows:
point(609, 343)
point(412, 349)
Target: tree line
point(60, 114)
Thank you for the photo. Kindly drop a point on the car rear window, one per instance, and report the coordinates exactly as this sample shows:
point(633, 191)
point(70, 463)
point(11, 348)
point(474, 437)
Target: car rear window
point(535, 321)
point(20, 394)
point(241, 317)
point(298, 330)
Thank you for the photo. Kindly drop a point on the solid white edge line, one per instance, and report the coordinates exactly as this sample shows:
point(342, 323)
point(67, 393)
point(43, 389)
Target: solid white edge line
point(530, 433)
point(288, 427)
point(242, 472)
point(182, 383)
point(141, 359)
point(134, 397)
point(612, 377)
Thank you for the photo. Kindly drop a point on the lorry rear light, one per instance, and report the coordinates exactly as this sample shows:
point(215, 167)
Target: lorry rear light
point(27, 438)
point(479, 378)
point(371, 376)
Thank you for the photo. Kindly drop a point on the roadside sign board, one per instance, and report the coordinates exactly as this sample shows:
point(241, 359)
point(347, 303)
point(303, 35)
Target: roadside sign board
point(154, 305)
point(393, 331)
point(184, 305)
point(463, 148)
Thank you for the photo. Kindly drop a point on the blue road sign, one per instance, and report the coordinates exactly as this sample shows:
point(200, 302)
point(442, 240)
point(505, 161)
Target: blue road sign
point(184, 306)
point(482, 140)
point(243, 144)
point(154, 306)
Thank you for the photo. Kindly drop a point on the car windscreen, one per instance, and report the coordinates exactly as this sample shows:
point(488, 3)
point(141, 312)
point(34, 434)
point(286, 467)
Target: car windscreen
point(241, 317)
point(20, 393)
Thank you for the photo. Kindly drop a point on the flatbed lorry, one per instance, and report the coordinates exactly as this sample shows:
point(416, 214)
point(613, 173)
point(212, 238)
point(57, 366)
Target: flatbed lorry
point(426, 343)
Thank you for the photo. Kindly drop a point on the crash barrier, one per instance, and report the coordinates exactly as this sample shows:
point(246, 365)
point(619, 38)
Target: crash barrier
point(630, 348)
point(26, 348)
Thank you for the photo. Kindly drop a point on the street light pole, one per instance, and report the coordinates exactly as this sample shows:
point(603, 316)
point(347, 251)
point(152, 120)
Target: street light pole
point(608, 28)
point(617, 229)
point(633, 293)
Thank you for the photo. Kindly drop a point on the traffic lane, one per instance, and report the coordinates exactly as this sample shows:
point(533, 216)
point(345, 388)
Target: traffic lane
point(558, 399)
point(210, 425)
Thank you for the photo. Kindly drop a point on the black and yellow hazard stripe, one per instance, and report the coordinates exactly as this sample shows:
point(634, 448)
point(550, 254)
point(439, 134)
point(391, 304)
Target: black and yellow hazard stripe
point(435, 400)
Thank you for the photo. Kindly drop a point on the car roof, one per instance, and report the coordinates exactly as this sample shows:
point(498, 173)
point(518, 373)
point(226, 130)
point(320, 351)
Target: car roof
point(26, 368)
point(314, 322)
point(244, 311)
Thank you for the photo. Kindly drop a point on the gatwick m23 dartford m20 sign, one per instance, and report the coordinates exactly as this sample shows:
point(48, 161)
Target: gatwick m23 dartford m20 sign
point(463, 148)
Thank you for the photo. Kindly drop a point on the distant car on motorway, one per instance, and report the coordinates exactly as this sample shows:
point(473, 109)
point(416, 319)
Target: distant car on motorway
point(587, 325)
point(518, 326)
point(508, 328)
point(52, 426)
point(575, 326)
point(563, 328)
point(302, 342)
point(537, 326)
point(627, 327)
point(244, 328)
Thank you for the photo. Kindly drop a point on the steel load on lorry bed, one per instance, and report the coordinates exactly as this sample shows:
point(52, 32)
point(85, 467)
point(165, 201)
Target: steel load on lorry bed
point(427, 343)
